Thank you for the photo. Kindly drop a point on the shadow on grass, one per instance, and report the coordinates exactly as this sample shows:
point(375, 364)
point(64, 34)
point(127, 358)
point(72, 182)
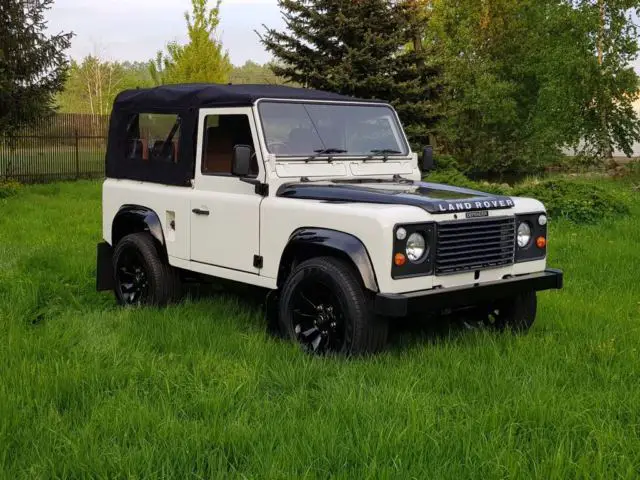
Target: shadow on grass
point(403, 332)
point(428, 329)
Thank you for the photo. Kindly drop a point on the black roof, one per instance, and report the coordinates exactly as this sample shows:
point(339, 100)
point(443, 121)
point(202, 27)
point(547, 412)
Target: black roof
point(184, 96)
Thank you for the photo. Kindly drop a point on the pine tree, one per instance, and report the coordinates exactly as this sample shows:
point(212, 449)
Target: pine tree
point(363, 48)
point(33, 65)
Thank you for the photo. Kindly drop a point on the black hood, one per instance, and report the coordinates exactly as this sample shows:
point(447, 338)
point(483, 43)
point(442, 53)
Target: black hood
point(432, 197)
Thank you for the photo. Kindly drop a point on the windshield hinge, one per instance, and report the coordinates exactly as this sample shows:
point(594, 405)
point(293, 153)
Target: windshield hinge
point(259, 187)
point(262, 189)
point(258, 261)
point(398, 178)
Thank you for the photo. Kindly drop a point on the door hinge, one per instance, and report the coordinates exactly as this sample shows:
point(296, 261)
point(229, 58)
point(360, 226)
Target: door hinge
point(262, 189)
point(257, 261)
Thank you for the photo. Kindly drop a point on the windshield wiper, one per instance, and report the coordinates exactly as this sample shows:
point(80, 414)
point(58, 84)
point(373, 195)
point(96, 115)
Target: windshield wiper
point(326, 151)
point(385, 152)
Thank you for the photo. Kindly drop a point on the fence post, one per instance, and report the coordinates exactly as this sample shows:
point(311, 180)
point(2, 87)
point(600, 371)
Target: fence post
point(77, 157)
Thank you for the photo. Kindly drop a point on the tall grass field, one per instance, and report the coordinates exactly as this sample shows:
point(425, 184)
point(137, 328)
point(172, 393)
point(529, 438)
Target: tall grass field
point(200, 390)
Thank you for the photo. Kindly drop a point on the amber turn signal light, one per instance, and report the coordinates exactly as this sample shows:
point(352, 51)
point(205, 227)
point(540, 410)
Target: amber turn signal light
point(541, 242)
point(399, 259)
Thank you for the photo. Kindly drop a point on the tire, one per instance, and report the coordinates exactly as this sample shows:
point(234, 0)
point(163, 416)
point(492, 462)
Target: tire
point(325, 308)
point(141, 276)
point(516, 314)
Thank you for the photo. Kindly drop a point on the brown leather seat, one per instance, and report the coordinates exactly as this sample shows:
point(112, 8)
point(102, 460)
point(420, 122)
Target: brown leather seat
point(219, 151)
point(231, 130)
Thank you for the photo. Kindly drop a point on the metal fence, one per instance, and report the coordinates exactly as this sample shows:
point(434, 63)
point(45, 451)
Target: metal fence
point(61, 147)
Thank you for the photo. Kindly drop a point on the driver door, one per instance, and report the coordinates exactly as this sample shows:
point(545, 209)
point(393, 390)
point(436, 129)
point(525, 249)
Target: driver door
point(225, 211)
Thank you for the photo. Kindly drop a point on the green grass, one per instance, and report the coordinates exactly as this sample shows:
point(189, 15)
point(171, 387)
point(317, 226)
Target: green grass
point(199, 390)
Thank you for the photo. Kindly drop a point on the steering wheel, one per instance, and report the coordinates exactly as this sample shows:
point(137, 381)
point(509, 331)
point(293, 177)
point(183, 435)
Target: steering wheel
point(275, 147)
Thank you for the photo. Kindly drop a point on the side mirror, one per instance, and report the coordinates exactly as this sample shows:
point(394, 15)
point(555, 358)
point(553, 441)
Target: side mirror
point(241, 163)
point(427, 159)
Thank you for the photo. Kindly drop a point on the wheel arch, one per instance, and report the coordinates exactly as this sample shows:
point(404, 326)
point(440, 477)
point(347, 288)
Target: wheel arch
point(137, 219)
point(309, 242)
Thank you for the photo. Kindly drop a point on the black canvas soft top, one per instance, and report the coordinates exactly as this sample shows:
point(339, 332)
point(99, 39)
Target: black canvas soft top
point(191, 96)
point(184, 101)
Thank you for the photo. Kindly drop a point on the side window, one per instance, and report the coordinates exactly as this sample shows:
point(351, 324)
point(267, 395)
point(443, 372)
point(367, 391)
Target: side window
point(154, 137)
point(221, 134)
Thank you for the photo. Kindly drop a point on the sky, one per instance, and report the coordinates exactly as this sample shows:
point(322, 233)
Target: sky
point(137, 29)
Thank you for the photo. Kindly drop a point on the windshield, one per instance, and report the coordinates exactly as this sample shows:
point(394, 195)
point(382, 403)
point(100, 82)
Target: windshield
point(317, 129)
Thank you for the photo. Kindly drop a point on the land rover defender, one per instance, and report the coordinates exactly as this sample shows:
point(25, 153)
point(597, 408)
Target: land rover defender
point(316, 198)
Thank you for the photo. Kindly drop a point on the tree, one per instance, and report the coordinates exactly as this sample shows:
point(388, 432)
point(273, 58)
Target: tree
point(523, 80)
point(609, 119)
point(492, 51)
point(93, 84)
point(202, 59)
point(33, 64)
point(359, 48)
point(252, 72)
point(136, 75)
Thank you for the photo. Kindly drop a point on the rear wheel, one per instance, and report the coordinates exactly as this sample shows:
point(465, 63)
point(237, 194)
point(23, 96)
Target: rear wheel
point(142, 277)
point(515, 313)
point(325, 309)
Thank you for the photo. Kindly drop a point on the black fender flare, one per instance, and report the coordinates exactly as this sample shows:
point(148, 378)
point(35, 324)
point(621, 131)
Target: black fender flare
point(341, 243)
point(136, 218)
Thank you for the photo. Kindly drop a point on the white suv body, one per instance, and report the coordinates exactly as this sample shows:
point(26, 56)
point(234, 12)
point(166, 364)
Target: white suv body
point(238, 190)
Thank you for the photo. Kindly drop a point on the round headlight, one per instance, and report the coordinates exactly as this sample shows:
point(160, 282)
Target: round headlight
point(524, 234)
point(416, 247)
point(542, 220)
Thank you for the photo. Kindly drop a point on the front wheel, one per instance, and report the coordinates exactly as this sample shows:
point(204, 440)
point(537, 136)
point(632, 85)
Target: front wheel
point(515, 313)
point(324, 307)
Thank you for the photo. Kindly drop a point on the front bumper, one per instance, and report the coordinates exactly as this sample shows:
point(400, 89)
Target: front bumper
point(401, 305)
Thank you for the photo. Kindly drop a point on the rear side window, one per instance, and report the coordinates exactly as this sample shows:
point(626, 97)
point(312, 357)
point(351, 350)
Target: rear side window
point(154, 137)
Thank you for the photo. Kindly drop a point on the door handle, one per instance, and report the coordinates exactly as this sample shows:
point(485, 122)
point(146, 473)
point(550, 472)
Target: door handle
point(200, 211)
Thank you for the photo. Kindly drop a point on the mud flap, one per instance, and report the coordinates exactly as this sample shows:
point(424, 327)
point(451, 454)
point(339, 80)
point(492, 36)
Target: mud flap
point(104, 267)
point(271, 313)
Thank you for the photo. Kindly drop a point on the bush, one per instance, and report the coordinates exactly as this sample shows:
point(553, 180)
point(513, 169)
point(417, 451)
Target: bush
point(631, 171)
point(450, 176)
point(8, 188)
point(574, 200)
point(577, 201)
point(578, 164)
point(448, 172)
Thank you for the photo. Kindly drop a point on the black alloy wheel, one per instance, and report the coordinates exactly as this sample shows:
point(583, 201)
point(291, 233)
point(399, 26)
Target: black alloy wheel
point(318, 319)
point(141, 273)
point(324, 307)
point(132, 279)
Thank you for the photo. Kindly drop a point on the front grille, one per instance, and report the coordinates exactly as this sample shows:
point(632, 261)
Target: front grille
point(475, 244)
